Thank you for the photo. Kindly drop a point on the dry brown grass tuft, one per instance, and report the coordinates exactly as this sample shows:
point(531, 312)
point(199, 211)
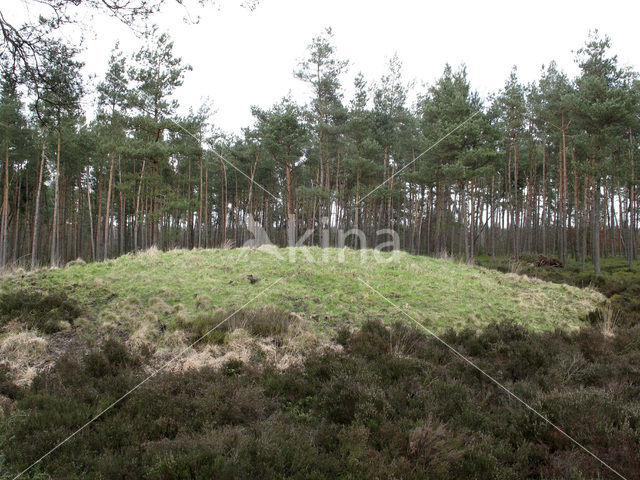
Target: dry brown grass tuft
point(24, 352)
point(159, 306)
point(262, 333)
point(151, 252)
point(144, 333)
point(610, 319)
point(240, 346)
point(227, 244)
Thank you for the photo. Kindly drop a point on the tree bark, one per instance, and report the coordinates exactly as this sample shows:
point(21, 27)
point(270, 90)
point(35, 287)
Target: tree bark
point(93, 241)
point(136, 216)
point(4, 220)
point(54, 223)
point(36, 215)
point(105, 247)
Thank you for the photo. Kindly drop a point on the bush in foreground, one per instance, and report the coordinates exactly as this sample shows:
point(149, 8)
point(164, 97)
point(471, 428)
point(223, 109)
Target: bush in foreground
point(395, 403)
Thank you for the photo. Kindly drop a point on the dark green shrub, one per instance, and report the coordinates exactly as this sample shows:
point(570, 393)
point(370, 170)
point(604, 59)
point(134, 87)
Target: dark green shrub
point(7, 387)
point(233, 367)
point(372, 340)
point(208, 328)
point(110, 359)
point(413, 411)
point(44, 311)
point(263, 322)
point(343, 335)
point(260, 322)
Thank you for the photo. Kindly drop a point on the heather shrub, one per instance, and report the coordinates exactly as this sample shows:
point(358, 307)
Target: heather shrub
point(259, 322)
point(411, 409)
point(34, 309)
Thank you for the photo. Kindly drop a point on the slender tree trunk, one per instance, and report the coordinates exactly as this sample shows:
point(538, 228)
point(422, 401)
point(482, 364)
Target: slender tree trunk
point(17, 222)
point(106, 211)
point(200, 195)
point(493, 216)
point(564, 198)
point(596, 227)
point(630, 213)
point(121, 217)
point(54, 223)
point(136, 216)
point(578, 224)
point(250, 196)
point(223, 206)
point(93, 241)
point(5, 208)
point(543, 220)
point(207, 214)
point(356, 240)
point(516, 213)
point(36, 215)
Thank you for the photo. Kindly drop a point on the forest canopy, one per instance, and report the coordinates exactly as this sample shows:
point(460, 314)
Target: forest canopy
point(545, 167)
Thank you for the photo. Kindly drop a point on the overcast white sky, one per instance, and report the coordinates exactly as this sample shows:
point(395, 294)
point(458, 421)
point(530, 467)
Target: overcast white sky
point(242, 58)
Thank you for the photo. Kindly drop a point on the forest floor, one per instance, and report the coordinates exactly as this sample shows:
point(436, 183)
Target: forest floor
point(309, 372)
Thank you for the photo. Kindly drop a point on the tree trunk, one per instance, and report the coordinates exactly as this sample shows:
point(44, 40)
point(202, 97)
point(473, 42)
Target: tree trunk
point(93, 241)
point(596, 227)
point(121, 216)
point(36, 215)
point(54, 223)
point(543, 220)
point(105, 247)
point(630, 213)
point(287, 168)
point(136, 216)
point(516, 213)
point(200, 195)
point(4, 220)
point(17, 222)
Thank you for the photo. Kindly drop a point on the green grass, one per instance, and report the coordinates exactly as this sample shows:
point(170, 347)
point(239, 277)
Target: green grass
point(319, 286)
point(616, 281)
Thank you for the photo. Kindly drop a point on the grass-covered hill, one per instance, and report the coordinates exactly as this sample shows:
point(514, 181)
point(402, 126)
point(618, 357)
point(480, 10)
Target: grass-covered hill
point(319, 377)
point(166, 300)
point(322, 286)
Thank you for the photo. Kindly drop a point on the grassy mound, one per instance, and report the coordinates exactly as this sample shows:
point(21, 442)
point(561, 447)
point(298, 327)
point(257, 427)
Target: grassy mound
point(617, 282)
point(322, 286)
point(313, 363)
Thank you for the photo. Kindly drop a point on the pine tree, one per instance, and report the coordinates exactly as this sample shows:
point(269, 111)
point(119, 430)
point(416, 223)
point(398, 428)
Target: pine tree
point(283, 135)
point(156, 75)
point(15, 140)
point(601, 107)
point(58, 108)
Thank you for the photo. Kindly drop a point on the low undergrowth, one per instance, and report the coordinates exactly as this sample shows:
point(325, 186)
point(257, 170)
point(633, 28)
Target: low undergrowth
point(213, 327)
point(392, 403)
point(46, 312)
